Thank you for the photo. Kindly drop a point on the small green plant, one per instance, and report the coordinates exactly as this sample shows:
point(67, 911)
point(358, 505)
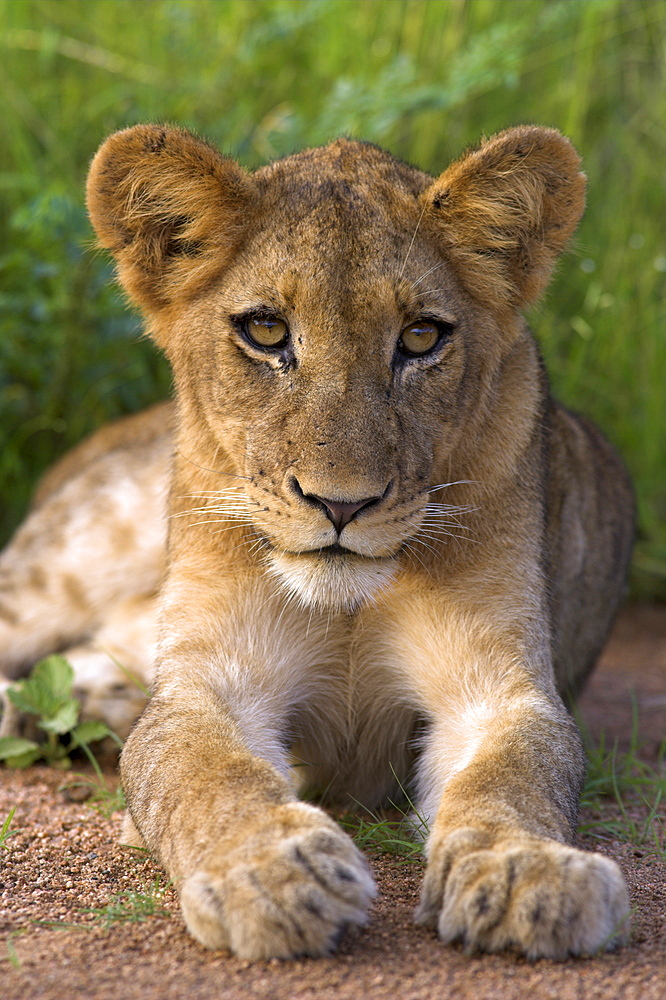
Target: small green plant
point(401, 835)
point(47, 695)
point(632, 786)
point(96, 791)
point(131, 906)
point(383, 834)
point(5, 832)
point(14, 960)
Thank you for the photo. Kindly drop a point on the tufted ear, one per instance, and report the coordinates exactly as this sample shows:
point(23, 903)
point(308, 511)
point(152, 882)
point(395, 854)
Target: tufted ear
point(171, 209)
point(506, 210)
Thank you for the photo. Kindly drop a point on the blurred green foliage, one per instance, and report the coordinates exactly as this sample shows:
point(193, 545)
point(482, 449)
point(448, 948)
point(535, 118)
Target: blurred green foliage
point(262, 78)
point(47, 695)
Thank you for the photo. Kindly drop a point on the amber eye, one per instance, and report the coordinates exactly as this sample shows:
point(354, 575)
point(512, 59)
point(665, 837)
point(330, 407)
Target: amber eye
point(419, 338)
point(266, 331)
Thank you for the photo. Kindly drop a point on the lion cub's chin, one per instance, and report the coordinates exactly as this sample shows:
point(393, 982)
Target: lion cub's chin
point(339, 583)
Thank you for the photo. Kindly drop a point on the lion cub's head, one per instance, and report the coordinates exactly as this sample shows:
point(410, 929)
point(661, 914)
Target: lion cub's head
point(338, 325)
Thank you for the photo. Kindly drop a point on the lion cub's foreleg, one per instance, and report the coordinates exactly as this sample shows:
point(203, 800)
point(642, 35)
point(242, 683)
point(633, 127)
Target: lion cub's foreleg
point(500, 776)
point(206, 775)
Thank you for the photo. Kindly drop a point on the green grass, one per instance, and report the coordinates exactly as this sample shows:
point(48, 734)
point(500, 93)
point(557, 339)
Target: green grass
point(100, 796)
point(265, 77)
point(132, 906)
point(623, 800)
point(384, 834)
point(624, 795)
point(5, 832)
point(13, 958)
point(399, 831)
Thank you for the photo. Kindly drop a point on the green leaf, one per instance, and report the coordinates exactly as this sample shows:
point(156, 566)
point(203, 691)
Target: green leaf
point(63, 719)
point(22, 760)
point(56, 675)
point(25, 759)
point(12, 746)
point(28, 698)
point(44, 692)
point(89, 732)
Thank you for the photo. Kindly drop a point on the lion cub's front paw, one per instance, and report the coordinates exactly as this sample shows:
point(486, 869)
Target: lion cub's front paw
point(290, 889)
point(539, 896)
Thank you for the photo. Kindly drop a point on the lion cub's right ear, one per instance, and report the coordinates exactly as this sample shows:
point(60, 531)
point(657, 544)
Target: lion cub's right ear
point(171, 209)
point(506, 210)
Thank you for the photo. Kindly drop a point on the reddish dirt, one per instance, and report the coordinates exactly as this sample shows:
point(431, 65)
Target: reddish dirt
point(66, 859)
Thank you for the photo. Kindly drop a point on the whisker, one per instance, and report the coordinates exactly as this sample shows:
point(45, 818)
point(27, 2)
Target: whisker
point(213, 493)
point(420, 541)
point(307, 631)
point(212, 510)
point(436, 505)
point(430, 548)
point(285, 604)
point(441, 513)
point(220, 520)
point(435, 267)
point(414, 555)
point(216, 472)
point(409, 248)
point(239, 545)
point(445, 517)
point(441, 532)
point(460, 538)
point(258, 543)
point(223, 513)
point(269, 599)
point(233, 493)
point(458, 482)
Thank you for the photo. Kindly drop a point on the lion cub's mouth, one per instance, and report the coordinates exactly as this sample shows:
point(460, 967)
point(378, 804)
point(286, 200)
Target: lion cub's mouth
point(331, 551)
point(332, 577)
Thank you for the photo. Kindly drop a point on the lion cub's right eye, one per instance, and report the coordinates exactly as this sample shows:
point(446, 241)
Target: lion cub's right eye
point(266, 331)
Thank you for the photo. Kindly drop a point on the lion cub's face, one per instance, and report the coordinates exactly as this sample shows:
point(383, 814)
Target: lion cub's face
point(331, 363)
point(326, 344)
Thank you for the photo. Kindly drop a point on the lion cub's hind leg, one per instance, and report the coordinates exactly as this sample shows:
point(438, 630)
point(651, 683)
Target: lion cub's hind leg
point(114, 670)
point(97, 540)
point(129, 835)
point(86, 562)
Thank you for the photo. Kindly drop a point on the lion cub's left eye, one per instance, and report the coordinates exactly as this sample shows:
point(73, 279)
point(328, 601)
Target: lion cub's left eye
point(266, 331)
point(419, 338)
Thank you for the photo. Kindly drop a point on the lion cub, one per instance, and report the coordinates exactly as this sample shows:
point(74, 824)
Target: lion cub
point(390, 550)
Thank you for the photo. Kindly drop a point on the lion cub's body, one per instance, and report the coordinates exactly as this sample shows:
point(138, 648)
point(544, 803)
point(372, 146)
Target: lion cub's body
point(384, 559)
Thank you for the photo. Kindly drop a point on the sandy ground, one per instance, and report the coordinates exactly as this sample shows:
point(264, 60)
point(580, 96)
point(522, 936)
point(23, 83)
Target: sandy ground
point(65, 860)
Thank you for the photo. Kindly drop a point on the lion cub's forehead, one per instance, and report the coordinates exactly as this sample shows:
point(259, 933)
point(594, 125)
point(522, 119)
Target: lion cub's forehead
point(336, 219)
point(351, 185)
point(360, 163)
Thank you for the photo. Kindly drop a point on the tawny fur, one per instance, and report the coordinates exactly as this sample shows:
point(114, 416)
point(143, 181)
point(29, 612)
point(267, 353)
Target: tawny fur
point(432, 644)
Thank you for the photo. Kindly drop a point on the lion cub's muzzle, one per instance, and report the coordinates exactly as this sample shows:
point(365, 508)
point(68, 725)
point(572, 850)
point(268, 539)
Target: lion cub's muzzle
point(343, 568)
point(339, 512)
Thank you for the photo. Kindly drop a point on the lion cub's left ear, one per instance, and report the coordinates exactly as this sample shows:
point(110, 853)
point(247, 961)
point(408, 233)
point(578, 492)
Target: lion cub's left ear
point(170, 208)
point(505, 212)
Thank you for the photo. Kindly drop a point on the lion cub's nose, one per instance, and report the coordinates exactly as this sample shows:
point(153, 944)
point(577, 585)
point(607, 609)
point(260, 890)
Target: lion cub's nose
point(340, 513)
